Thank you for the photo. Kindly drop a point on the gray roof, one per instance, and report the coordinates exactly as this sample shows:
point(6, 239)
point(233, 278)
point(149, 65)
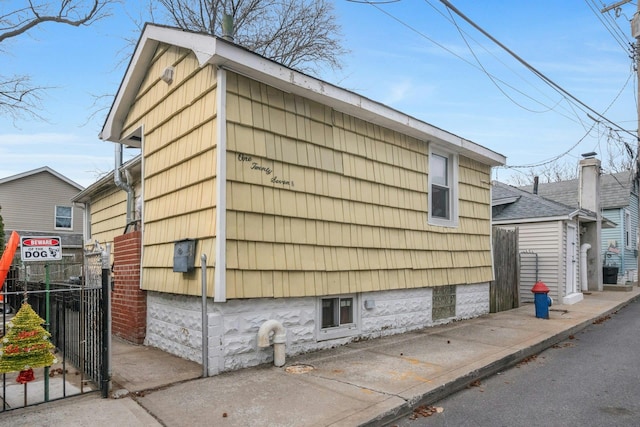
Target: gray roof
point(615, 190)
point(510, 203)
point(46, 169)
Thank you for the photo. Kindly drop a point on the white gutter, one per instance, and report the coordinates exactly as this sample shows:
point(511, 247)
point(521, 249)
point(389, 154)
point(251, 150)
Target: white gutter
point(220, 278)
point(530, 220)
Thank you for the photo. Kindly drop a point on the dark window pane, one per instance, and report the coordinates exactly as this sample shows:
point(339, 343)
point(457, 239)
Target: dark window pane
point(63, 211)
point(328, 310)
point(439, 202)
point(346, 311)
point(63, 222)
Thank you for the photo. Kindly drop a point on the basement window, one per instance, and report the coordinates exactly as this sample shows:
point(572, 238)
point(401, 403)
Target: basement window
point(443, 302)
point(337, 317)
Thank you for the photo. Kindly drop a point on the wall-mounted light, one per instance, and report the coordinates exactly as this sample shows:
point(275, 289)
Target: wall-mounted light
point(167, 75)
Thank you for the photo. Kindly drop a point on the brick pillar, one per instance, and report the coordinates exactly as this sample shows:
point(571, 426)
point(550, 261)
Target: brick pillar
point(128, 301)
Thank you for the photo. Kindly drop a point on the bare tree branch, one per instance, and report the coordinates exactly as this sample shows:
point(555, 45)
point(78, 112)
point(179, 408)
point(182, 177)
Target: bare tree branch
point(69, 12)
point(18, 96)
point(300, 34)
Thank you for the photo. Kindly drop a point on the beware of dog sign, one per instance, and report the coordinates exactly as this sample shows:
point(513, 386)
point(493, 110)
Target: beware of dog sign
point(40, 248)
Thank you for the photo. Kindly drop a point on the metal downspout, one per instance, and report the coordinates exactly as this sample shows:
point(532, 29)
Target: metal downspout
point(126, 186)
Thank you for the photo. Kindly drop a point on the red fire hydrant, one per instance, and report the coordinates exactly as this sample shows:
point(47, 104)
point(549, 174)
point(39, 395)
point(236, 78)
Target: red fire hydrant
point(541, 299)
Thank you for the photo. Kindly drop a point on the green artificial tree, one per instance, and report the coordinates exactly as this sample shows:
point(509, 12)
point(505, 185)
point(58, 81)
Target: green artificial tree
point(26, 345)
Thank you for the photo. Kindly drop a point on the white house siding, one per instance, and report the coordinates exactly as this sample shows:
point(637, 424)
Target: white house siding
point(28, 205)
point(547, 241)
point(174, 322)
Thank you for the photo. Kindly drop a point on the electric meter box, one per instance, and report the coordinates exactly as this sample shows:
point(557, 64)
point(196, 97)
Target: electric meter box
point(184, 257)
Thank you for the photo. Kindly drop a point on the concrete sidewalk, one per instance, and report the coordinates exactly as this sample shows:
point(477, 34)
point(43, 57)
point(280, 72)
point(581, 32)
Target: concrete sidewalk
point(365, 383)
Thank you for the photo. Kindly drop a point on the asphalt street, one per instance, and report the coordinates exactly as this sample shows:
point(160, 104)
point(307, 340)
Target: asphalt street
point(590, 379)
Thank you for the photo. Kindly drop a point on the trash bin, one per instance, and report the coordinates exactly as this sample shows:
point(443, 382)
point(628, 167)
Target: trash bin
point(541, 300)
point(610, 275)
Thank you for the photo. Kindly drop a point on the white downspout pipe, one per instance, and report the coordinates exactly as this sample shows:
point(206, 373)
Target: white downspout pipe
point(275, 328)
point(583, 266)
point(220, 266)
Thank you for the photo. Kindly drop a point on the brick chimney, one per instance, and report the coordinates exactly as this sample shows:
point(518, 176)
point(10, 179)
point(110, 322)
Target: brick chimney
point(589, 199)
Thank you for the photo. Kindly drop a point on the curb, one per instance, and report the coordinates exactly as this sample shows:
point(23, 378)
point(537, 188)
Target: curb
point(493, 368)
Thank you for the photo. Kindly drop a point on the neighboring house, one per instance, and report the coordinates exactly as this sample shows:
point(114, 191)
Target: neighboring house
point(38, 203)
point(334, 216)
point(618, 204)
point(549, 241)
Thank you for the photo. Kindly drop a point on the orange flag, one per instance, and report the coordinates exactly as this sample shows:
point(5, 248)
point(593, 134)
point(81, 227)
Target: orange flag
point(7, 258)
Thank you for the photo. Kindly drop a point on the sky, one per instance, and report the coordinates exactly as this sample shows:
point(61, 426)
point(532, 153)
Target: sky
point(411, 55)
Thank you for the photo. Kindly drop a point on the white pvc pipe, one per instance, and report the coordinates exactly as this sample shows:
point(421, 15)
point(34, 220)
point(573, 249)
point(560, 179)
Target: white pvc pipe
point(205, 321)
point(279, 340)
point(583, 266)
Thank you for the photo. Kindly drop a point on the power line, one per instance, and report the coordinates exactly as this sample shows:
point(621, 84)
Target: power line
point(415, 30)
point(572, 101)
point(534, 70)
point(610, 25)
point(493, 79)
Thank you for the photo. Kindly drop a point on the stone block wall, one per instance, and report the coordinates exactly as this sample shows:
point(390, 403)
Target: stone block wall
point(128, 301)
point(175, 323)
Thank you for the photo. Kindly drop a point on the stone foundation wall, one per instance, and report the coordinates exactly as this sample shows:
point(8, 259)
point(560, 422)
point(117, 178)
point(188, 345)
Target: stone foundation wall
point(174, 322)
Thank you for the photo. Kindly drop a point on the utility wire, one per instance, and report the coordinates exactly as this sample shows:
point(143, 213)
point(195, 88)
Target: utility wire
point(484, 70)
point(404, 24)
point(565, 94)
point(595, 122)
point(610, 25)
point(546, 79)
point(466, 36)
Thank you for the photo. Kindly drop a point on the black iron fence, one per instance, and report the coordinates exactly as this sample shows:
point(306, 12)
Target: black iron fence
point(75, 314)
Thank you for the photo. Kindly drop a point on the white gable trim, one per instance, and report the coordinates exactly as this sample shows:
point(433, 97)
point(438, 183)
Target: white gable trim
point(216, 51)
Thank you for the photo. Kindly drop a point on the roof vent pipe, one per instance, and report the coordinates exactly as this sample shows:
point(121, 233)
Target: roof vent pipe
point(227, 27)
point(535, 184)
point(126, 186)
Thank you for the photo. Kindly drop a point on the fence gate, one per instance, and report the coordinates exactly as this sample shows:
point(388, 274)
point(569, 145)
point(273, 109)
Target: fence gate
point(70, 296)
point(504, 290)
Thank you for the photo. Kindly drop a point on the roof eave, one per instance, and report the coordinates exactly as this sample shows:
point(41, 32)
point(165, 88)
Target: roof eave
point(530, 220)
point(39, 170)
point(218, 52)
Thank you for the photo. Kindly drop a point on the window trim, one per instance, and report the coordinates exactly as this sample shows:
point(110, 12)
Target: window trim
point(341, 331)
point(628, 235)
point(55, 218)
point(452, 178)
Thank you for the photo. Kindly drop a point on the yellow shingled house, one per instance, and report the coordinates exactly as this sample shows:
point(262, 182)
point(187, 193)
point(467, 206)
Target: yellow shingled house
point(323, 216)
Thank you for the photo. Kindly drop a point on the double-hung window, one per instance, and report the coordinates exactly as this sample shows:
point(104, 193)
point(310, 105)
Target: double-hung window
point(443, 188)
point(64, 218)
